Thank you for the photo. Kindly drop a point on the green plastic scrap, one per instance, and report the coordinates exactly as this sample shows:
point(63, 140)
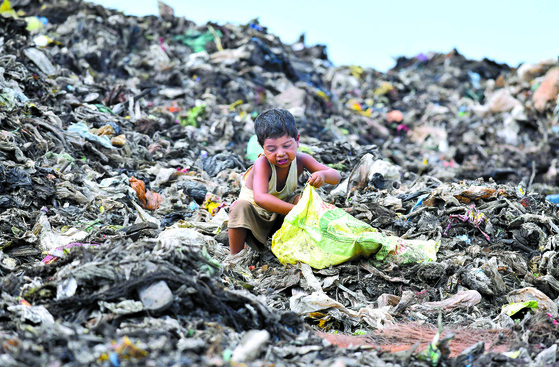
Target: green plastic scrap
point(6, 8)
point(513, 308)
point(104, 109)
point(438, 348)
point(432, 354)
point(16, 231)
point(5, 244)
point(33, 23)
point(512, 355)
point(192, 116)
point(305, 149)
point(339, 166)
point(253, 148)
point(10, 98)
point(197, 40)
point(227, 354)
point(211, 265)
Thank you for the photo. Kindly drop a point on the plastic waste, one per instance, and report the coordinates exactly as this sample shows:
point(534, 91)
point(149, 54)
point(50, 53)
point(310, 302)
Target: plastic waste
point(195, 190)
point(394, 116)
point(35, 314)
point(253, 148)
point(514, 308)
point(6, 8)
point(157, 296)
point(180, 235)
point(66, 288)
point(33, 23)
point(149, 199)
point(462, 299)
point(319, 234)
point(554, 198)
point(82, 130)
point(51, 239)
point(61, 251)
point(251, 345)
point(547, 357)
point(304, 304)
point(125, 307)
point(548, 89)
point(193, 116)
point(545, 304)
point(502, 101)
point(197, 40)
point(472, 216)
point(372, 171)
point(212, 204)
point(41, 60)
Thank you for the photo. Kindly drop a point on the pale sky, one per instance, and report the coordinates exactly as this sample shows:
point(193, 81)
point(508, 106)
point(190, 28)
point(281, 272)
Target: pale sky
point(374, 33)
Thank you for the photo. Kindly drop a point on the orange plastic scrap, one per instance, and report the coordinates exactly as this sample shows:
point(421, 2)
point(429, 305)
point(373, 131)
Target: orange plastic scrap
point(452, 191)
point(394, 116)
point(149, 199)
point(126, 349)
point(547, 91)
point(476, 193)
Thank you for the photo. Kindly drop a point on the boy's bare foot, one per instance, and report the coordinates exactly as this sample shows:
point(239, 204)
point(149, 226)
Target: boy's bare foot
point(233, 259)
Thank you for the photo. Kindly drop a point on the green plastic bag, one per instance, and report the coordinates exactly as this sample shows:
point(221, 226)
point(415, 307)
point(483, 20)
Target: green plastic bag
point(513, 308)
point(319, 234)
point(253, 149)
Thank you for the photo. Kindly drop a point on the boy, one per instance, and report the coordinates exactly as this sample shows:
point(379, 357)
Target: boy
point(268, 187)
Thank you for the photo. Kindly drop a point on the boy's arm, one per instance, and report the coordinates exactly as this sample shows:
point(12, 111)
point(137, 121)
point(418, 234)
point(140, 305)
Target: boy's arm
point(321, 174)
point(260, 181)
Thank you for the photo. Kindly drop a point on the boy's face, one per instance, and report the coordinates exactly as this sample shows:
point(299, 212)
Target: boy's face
point(281, 151)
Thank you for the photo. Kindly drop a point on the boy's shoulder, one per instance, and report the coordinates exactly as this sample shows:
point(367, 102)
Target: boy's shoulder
point(262, 164)
point(304, 157)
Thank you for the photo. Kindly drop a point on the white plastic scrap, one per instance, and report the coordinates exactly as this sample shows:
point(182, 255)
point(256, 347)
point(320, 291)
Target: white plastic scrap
point(303, 304)
point(143, 216)
point(49, 240)
point(250, 346)
point(125, 307)
point(35, 314)
point(66, 288)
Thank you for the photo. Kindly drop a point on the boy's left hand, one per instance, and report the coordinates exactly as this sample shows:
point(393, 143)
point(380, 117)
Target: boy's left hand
point(316, 179)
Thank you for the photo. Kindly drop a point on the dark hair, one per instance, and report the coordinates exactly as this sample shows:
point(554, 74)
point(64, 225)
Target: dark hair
point(274, 123)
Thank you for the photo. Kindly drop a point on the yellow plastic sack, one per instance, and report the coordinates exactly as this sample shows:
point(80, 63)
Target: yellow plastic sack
point(319, 234)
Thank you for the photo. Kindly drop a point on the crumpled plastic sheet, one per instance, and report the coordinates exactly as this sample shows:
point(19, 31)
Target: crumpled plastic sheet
point(82, 130)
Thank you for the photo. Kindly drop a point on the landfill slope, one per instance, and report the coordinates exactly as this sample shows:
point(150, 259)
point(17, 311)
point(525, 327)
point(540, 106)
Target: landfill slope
point(123, 140)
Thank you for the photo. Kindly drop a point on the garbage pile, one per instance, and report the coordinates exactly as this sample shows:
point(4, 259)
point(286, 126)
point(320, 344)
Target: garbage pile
point(123, 140)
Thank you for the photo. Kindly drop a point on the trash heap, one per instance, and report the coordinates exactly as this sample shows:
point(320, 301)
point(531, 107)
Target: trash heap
point(123, 140)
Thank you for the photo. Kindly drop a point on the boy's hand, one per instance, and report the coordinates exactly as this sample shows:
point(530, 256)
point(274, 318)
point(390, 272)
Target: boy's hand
point(316, 179)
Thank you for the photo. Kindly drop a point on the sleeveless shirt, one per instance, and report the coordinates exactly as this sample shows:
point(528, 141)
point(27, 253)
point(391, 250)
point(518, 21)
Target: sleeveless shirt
point(288, 189)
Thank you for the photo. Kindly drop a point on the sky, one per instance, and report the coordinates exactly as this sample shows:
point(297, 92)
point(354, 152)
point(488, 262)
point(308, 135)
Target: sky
point(373, 33)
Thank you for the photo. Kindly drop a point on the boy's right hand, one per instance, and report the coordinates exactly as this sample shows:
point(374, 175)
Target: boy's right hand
point(316, 179)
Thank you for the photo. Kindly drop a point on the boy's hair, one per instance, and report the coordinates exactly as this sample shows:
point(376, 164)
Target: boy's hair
point(274, 123)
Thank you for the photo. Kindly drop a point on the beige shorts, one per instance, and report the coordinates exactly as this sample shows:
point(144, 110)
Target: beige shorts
point(244, 214)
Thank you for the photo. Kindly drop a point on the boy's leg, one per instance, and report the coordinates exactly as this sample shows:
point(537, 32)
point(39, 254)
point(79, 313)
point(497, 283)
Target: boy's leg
point(237, 237)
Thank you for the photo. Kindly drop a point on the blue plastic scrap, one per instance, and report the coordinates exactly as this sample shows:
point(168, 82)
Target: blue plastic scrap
point(554, 198)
